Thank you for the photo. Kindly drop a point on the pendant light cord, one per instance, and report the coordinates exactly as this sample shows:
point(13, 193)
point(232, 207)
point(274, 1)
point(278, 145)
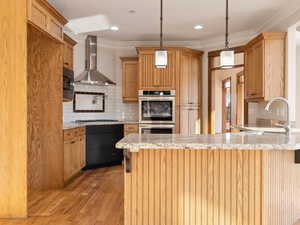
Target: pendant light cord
point(161, 24)
point(227, 19)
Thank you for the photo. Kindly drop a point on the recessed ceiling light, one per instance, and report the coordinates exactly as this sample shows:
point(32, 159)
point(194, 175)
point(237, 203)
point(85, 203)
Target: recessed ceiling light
point(131, 11)
point(198, 27)
point(114, 28)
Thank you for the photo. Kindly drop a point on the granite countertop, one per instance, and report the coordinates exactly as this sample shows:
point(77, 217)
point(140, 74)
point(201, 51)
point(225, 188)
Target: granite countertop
point(72, 125)
point(242, 141)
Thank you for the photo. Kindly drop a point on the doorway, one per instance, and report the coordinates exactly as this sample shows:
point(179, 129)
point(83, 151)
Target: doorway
point(226, 100)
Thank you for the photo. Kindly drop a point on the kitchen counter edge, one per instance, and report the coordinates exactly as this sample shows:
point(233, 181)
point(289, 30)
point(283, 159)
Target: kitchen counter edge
point(73, 125)
point(234, 141)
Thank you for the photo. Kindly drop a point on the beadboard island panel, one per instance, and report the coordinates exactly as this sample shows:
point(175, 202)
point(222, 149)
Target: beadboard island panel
point(212, 186)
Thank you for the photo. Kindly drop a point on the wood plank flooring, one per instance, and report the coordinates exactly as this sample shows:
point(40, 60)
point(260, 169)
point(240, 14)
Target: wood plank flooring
point(94, 198)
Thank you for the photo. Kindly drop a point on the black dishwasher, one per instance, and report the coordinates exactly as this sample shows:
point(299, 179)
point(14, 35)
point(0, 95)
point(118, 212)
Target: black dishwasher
point(100, 146)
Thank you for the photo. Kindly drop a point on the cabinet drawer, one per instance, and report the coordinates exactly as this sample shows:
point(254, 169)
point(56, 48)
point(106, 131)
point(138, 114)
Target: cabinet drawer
point(131, 128)
point(70, 134)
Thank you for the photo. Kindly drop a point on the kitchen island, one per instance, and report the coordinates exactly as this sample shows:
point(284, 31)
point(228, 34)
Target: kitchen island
point(230, 179)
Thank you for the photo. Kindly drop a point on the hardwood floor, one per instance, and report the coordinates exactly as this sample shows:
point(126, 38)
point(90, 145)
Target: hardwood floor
point(94, 198)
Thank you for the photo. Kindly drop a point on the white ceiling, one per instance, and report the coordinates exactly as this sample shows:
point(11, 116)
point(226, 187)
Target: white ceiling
point(180, 17)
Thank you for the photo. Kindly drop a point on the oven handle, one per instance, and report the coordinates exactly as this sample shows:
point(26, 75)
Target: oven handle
point(156, 98)
point(157, 126)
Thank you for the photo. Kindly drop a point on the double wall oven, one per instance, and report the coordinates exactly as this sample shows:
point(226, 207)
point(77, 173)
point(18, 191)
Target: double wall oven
point(157, 111)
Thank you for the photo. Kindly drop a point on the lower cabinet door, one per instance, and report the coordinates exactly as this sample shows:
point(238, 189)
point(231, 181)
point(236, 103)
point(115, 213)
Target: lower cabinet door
point(190, 121)
point(184, 121)
point(194, 121)
point(68, 159)
point(74, 157)
point(83, 153)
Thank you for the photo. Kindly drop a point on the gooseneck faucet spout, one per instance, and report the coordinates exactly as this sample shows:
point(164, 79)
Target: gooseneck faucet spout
point(287, 126)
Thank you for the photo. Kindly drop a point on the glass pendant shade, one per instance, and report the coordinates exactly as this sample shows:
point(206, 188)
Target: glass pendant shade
point(227, 59)
point(161, 58)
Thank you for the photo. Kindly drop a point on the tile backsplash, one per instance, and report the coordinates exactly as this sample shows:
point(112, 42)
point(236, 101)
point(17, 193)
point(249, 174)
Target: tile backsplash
point(257, 111)
point(110, 64)
point(114, 107)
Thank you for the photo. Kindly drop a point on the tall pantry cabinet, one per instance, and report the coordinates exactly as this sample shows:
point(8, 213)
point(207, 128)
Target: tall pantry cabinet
point(190, 92)
point(182, 74)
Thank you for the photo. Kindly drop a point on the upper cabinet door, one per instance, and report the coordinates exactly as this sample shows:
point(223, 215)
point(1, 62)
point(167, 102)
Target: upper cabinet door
point(130, 77)
point(254, 71)
point(190, 79)
point(69, 43)
point(146, 71)
point(152, 78)
point(195, 81)
point(44, 16)
point(265, 67)
point(68, 56)
point(167, 76)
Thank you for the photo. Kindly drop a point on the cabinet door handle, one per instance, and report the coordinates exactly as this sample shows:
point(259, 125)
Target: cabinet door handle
point(73, 142)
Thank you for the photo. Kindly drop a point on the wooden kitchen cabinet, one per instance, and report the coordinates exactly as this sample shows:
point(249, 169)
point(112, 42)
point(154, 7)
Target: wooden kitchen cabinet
point(130, 68)
point(74, 152)
point(152, 78)
point(183, 74)
point(190, 79)
point(69, 44)
point(265, 67)
point(190, 120)
point(45, 17)
point(189, 93)
point(131, 129)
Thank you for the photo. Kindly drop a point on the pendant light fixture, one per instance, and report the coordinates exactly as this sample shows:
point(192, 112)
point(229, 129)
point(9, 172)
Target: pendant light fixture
point(161, 55)
point(227, 55)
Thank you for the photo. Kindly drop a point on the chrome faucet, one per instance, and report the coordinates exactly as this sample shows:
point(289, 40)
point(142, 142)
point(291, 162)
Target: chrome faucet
point(287, 126)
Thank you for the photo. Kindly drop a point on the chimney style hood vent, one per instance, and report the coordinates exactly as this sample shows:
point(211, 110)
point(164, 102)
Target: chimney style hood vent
point(91, 76)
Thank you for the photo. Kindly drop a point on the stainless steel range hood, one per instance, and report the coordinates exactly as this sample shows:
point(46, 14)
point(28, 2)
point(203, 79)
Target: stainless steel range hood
point(91, 76)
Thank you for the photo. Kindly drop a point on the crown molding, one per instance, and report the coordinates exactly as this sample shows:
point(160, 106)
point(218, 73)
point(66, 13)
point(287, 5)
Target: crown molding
point(279, 21)
point(236, 39)
point(239, 38)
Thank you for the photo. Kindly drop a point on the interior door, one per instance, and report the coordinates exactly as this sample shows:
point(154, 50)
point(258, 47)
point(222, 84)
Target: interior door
point(226, 105)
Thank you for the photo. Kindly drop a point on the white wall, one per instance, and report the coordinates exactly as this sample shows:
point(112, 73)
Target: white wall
point(298, 89)
point(109, 63)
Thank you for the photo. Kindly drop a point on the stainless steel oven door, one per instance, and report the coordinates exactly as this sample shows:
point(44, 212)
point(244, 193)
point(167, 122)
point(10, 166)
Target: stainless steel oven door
point(157, 128)
point(157, 109)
